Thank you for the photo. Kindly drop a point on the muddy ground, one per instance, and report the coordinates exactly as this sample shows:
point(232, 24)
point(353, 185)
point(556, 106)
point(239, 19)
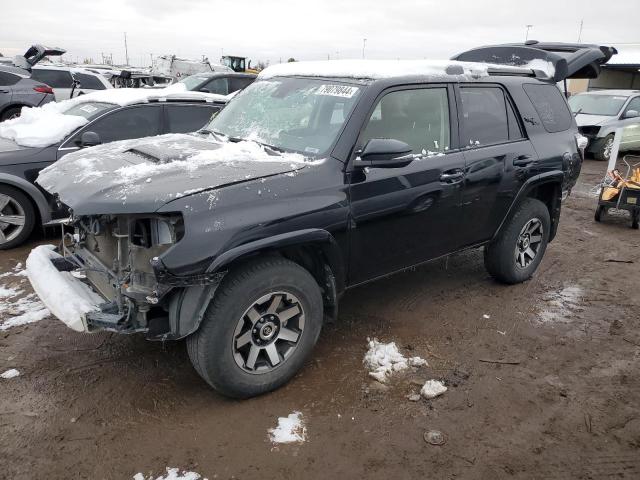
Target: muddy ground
point(107, 406)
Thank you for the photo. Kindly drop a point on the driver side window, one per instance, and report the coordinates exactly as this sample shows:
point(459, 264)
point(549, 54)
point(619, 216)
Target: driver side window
point(128, 123)
point(420, 118)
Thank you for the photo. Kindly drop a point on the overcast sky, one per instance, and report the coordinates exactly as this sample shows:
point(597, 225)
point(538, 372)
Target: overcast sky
point(306, 30)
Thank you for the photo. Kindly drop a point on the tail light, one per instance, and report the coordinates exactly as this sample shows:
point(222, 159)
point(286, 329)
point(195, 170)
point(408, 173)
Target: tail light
point(43, 89)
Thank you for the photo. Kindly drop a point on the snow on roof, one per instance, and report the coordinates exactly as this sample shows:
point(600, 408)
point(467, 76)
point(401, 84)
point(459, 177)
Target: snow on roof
point(376, 69)
point(629, 57)
point(47, 125)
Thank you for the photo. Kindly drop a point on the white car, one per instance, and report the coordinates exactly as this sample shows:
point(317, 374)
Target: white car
point(61, 79)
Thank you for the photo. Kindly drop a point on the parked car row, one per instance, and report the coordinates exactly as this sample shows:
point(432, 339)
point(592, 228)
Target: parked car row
point(316, 178)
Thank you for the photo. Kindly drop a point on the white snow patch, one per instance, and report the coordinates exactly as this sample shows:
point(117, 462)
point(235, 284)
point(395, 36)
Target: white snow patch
point(432, 389)
point(11, 373)
point(290, 429)
point(382, 359)
point(561, 304)
point(8, 292)
point(172, 474)
point(66, 297)
point(30, 316)
point(41, 126)
point(374, 69)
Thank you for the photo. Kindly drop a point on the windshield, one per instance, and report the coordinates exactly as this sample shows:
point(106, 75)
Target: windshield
point(88, 110)
point(595, 104)
point(193, 81)
point(293, 114)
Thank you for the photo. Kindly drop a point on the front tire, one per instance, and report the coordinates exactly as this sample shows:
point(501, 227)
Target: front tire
point(259, 329)
point(515, 254)
point(17, 217)
point(604, 150)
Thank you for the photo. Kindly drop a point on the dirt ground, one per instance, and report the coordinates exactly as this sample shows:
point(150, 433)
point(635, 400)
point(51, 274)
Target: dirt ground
point(567, 406)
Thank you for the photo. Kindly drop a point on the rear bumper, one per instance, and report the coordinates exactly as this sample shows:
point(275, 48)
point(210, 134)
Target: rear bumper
point(68, 298)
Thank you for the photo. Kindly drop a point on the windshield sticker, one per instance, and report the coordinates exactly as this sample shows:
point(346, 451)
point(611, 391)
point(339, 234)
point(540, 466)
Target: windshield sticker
point(88, 108)
point(343, 91)
point(311, 150)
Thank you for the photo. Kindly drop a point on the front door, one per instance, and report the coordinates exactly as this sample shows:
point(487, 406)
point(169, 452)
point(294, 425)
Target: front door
point(404, 216)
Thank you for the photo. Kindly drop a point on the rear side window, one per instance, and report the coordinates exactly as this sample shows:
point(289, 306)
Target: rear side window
point(53, 78)
point(238, 83)
point(484, 116)
point(188, 118)
point(217, 85)
point(89, 81)
point(550, 105)
point(133, 122)
point(8, 79)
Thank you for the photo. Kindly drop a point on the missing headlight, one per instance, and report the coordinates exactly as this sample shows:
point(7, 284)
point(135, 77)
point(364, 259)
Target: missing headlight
point(151, 232)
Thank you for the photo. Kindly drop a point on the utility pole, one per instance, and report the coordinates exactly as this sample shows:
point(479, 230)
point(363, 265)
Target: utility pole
point(126, 50)
point(151, 55)
point(364, 44)
point(526, 37)
point(580, 30)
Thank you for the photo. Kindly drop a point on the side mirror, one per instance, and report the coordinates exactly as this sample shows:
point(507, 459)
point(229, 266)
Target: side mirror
point(631, 114)
point(384, 153)
point(89, 139)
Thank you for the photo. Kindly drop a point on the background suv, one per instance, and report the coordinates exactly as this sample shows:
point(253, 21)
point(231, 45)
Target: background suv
point(62, 78)
point(18, 90)
point(599, 113)
point(221, 83)
point(318, 177)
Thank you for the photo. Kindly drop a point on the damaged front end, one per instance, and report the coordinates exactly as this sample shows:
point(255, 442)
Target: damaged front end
point(119, 257)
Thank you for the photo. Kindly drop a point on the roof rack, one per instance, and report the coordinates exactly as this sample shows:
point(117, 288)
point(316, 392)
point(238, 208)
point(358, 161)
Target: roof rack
point(516, 72)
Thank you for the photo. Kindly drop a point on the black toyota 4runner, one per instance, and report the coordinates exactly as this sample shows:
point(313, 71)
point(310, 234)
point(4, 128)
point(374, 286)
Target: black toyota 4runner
point(316, 178)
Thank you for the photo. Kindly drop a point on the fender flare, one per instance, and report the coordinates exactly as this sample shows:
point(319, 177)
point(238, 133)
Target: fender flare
point(187, 308)
point(32, 192)
point(531, 183)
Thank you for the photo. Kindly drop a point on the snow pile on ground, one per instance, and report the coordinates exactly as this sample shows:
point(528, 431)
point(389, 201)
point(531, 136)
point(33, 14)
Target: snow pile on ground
point(16, 308)
point(12, 373)
point(382, 359)
point(290, 429)
point(433, 389)
point(42, 126)
point(172, 474)
point(375, 69)
point(66, 297)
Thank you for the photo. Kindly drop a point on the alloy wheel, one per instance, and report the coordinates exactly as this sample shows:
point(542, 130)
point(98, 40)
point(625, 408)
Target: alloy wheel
point(528, 243)
point(12, 218)
point(268, 332)
point(608, 146)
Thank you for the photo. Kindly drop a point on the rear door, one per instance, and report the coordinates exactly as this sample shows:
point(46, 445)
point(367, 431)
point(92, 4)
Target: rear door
point(497, 156)
point(88, 83)
point(405, 216)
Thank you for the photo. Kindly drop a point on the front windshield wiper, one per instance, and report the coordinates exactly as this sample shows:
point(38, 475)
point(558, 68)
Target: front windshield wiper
point(577, 112)
point(218, 136)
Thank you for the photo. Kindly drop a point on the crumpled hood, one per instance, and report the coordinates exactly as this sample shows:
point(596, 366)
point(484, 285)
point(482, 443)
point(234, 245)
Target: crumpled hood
point(138, 176)
point(584, 120)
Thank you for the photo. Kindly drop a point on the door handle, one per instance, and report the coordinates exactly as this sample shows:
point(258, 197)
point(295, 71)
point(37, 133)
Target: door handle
point(451, 176)
point(523, 160)
point(4, 91)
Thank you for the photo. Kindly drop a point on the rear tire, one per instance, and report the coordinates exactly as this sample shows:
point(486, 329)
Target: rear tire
point(271, 306)
point(9, 113)
point(635, 220)
point(604, 150)
point(15, 207)
point(515, 254)
point(600, 211)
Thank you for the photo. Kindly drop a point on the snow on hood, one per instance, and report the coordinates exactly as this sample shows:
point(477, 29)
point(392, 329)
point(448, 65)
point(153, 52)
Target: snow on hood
point(48, 125)
point(145, 173)
point(375, 69)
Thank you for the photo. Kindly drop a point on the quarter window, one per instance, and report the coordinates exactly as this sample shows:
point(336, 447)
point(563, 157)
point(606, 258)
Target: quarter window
point(8, 79)
point(484, 116)
point(89, 81)
point(551, 106)
point(420, 118)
